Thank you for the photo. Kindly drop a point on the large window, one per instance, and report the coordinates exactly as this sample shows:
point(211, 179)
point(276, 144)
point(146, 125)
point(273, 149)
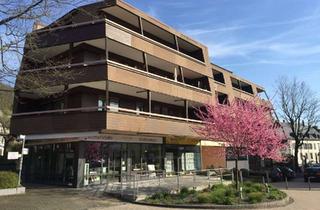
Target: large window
point(218, 76)
point(241, 85)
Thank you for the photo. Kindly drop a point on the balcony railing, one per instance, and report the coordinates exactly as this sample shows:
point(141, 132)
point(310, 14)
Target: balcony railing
point(150, 114)
point(103, 108)
point(58, 121)
point(157, 76)
point(154, 41)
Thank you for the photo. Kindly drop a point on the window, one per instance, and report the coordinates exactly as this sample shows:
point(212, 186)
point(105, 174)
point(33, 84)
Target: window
point(222, 98)
point(235, 83)
point(218, 76)
point(241, 85)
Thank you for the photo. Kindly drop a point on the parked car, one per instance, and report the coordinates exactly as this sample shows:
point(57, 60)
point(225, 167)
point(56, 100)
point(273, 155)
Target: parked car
point(312, 172)
point(276, 174)
point(287, 172)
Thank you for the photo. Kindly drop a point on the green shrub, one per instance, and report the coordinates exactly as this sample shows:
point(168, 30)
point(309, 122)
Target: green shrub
point(275, 194)
point(184, 190)
point(8, 179)
point(226, 195)
point(204, 198)
point(160, 196)
point(255, 197)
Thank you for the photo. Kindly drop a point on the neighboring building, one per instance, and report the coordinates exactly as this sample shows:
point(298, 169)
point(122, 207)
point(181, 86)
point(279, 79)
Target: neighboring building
point(309, 152)
point(132, 106)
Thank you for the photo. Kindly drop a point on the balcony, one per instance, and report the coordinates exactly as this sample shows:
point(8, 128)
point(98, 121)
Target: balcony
point(83, 108)
point(128, 58)
point(120, 16)
point(126, 120)
point(58, 121)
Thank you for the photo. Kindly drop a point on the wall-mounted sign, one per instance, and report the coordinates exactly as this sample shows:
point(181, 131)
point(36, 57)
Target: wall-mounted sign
point(182, 141)
point(127, 138)
point(13, 155)
point(25, 151)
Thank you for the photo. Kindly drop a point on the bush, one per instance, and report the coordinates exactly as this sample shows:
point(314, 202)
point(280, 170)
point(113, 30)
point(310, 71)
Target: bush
point(160, 196)
point(223, 195)
point(184, 191)
point(275, 194)
point(8, 179)
point(255, 197)
point(220, 194)
point(204, 198)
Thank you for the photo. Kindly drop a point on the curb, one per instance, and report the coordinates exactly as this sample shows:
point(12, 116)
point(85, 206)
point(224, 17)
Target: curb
point(273, 204)
point(12, 191)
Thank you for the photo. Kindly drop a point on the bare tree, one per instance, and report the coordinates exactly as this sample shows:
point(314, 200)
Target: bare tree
point(17, 20)
point(299, 108)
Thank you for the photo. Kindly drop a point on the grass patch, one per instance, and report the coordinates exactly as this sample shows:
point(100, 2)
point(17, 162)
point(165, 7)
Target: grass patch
point(220, 194)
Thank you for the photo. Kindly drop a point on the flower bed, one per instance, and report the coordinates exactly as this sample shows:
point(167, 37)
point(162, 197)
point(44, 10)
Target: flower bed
point(252, 193)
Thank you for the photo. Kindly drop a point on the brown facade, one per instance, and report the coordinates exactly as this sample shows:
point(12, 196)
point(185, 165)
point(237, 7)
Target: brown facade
point(213, 157)
point(131, 74)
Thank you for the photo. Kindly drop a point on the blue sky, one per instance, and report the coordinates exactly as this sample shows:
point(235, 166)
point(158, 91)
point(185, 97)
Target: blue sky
point(259, 40)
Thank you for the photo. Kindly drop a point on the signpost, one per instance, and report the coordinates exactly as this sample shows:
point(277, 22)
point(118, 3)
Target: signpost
point(23, 138)
point(13, 155)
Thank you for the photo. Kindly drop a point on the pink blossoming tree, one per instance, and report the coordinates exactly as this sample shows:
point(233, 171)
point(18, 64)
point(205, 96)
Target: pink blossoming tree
point(246, 127)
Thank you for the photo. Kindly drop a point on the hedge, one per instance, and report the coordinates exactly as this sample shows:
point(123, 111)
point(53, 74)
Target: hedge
point(8, 179)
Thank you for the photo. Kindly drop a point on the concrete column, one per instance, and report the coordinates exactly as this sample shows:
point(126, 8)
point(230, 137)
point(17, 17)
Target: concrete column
point(186, 106)
point(176, 42)
point(141, 26)
point(145, 61)
point(149, 100)
point(80, 161)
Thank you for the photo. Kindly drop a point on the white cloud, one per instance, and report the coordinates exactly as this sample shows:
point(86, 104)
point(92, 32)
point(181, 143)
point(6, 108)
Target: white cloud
point(202, 31)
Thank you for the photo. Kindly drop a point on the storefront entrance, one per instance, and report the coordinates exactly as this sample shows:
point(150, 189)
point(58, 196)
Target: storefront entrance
point(108, 160)
point(50, 164)
point(182, 158)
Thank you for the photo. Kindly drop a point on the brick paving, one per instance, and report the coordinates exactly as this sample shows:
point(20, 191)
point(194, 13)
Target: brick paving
point(56, 199)
point(46, 198)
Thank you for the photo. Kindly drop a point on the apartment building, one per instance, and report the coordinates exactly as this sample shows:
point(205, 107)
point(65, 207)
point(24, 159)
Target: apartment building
point(309, 152)
point(130, 105)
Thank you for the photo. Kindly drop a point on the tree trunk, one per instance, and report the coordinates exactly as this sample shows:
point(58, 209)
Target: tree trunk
point(237, 174)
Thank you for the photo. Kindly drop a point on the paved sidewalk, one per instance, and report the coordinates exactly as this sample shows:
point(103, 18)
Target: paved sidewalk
point(52, 198)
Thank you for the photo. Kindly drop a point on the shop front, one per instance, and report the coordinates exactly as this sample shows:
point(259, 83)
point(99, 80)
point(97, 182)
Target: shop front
point(110, 157)
point(182, 155)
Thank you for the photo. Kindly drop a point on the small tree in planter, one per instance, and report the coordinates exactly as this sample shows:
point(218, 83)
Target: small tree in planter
point(246, 127)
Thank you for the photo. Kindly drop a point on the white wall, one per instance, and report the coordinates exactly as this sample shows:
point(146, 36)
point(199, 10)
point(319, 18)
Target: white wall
point(241, 164)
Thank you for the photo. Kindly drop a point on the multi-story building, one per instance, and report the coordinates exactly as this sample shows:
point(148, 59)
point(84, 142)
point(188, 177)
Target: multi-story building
point(130, 105)
point(309, 152)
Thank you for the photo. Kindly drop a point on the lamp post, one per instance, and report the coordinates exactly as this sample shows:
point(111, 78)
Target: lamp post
point(23, 139)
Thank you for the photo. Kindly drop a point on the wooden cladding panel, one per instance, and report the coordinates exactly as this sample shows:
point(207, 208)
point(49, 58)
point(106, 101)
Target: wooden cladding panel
point(142, 124)
point(156, 85)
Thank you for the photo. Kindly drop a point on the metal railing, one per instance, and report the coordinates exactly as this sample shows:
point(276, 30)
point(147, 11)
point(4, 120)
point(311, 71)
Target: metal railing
point(137, 183)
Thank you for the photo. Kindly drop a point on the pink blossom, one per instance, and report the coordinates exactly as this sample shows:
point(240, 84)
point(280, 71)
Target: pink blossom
point(247, 127)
